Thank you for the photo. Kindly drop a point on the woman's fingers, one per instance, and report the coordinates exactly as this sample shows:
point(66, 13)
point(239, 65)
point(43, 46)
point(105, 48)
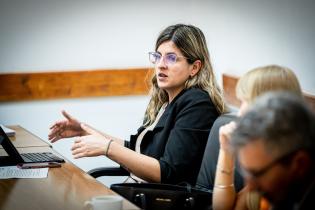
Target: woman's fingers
point(68, 116)
point(225, 134)
point(60, 122)
point(78, 149)
point(54, 139)
point(89, 146)
point(52, 136)
point(77, 140)
point(59, 129)
point(78, 153)
point(56, 131)
point(56, 124)
point(227, 129)
point(78, 143)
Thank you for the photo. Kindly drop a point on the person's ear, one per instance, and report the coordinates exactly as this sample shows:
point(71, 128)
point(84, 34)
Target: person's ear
point(196, 66)
point(301, 163)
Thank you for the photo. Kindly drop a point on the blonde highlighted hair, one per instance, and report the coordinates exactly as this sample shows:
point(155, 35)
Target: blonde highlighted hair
point(192, 43)
point(264, 79)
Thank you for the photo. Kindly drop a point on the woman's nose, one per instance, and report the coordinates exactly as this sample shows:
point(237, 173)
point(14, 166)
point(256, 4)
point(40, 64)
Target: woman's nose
point(161, 63)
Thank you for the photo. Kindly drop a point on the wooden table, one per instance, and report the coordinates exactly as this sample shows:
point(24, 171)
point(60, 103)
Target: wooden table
point(65, 188)
point(24, 138)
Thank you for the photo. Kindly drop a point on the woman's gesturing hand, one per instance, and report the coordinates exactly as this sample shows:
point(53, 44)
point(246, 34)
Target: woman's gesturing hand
point(65, 128)
point(94, 144)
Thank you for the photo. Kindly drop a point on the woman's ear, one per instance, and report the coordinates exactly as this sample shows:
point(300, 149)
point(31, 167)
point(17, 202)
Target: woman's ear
point(195, 68)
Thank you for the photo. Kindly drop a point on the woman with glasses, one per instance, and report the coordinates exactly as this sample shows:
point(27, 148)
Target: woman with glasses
point(185, 101)
point(253, 84)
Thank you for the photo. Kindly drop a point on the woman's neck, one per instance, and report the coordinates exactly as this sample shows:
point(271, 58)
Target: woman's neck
point(173, 94)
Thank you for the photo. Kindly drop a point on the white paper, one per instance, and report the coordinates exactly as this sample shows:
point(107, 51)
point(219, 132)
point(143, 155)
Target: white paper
point(15, 172)
point(7, 130)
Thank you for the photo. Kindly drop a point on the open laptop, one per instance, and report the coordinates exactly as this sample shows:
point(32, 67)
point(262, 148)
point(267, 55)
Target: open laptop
point(14, 157)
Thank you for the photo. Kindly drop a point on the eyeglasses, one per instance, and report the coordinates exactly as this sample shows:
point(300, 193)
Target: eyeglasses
point(169, 59)
point(258, 173)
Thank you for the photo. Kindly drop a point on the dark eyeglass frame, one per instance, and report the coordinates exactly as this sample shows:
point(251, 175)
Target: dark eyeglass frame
point(155, 58)
point(258, 173)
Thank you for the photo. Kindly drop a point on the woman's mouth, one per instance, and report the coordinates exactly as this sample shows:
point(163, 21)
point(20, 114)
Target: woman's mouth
point(162, 75)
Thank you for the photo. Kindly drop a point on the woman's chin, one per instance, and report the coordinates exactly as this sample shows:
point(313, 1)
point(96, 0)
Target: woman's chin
point(162, 85)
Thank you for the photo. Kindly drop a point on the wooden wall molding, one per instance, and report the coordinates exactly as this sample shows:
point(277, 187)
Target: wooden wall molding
point(73, 84)
point(229, 85)
point(92, 83)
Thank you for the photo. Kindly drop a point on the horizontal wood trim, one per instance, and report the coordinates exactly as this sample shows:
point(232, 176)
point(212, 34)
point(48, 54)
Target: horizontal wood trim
point(229, 85)
point(310, 99)
point(73, 84)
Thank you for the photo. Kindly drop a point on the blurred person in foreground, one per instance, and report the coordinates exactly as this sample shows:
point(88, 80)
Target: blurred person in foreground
point(229, 191)
point(275, 145)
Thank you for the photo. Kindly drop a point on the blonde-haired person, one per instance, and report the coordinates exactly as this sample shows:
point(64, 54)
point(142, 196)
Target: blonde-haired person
point(253, 84)
point(264, 79)
point(185, 101)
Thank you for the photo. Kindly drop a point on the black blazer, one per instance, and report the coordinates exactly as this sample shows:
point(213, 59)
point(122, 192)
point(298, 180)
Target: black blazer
point(179, 138)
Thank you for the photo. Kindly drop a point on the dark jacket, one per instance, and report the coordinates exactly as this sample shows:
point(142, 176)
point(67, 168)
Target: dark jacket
point(179, 138)
point(299, 201)
point(307, 201)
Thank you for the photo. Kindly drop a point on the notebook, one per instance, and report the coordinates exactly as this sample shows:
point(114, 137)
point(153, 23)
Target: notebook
point(14, 157)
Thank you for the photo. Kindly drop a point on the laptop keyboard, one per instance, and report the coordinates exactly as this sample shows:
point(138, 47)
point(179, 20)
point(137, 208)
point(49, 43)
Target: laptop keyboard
point(41, 157)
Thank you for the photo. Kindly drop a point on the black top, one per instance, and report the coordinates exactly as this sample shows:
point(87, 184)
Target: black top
point(307, 201)
point(297, 200)
point(208, 167)
point(179, 138)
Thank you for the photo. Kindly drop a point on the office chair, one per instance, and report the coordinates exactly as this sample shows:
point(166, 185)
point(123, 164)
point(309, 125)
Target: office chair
point(108, 171)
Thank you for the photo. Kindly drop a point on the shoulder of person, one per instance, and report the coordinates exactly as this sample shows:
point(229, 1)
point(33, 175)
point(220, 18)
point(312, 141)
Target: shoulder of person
point(192, 97)
point(194, 94)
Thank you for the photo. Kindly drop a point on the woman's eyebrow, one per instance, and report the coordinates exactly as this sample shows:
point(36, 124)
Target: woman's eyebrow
point(167, 53)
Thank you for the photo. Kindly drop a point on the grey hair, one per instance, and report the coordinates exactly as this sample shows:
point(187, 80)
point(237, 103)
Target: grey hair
point(282, 120)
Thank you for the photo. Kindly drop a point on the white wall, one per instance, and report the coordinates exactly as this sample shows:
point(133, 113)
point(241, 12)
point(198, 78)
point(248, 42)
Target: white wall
point(46, 35)
point(43, 35)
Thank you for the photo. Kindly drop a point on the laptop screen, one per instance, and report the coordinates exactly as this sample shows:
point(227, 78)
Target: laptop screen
point(7, 145)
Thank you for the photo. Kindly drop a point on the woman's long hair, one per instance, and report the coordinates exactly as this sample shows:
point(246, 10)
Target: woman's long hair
point(192, 43)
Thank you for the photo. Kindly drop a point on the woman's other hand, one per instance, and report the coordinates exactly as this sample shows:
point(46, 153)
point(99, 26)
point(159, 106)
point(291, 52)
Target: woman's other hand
point(70, 127)
point(225, 135)
point(91, 145)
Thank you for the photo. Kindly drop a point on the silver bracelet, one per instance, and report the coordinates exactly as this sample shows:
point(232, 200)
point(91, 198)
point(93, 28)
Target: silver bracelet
point(106, 152)
point(221, 186)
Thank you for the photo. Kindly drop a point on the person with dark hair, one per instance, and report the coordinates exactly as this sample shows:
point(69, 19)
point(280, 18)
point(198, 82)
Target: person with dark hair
point(275, 145)
point(185, 101)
